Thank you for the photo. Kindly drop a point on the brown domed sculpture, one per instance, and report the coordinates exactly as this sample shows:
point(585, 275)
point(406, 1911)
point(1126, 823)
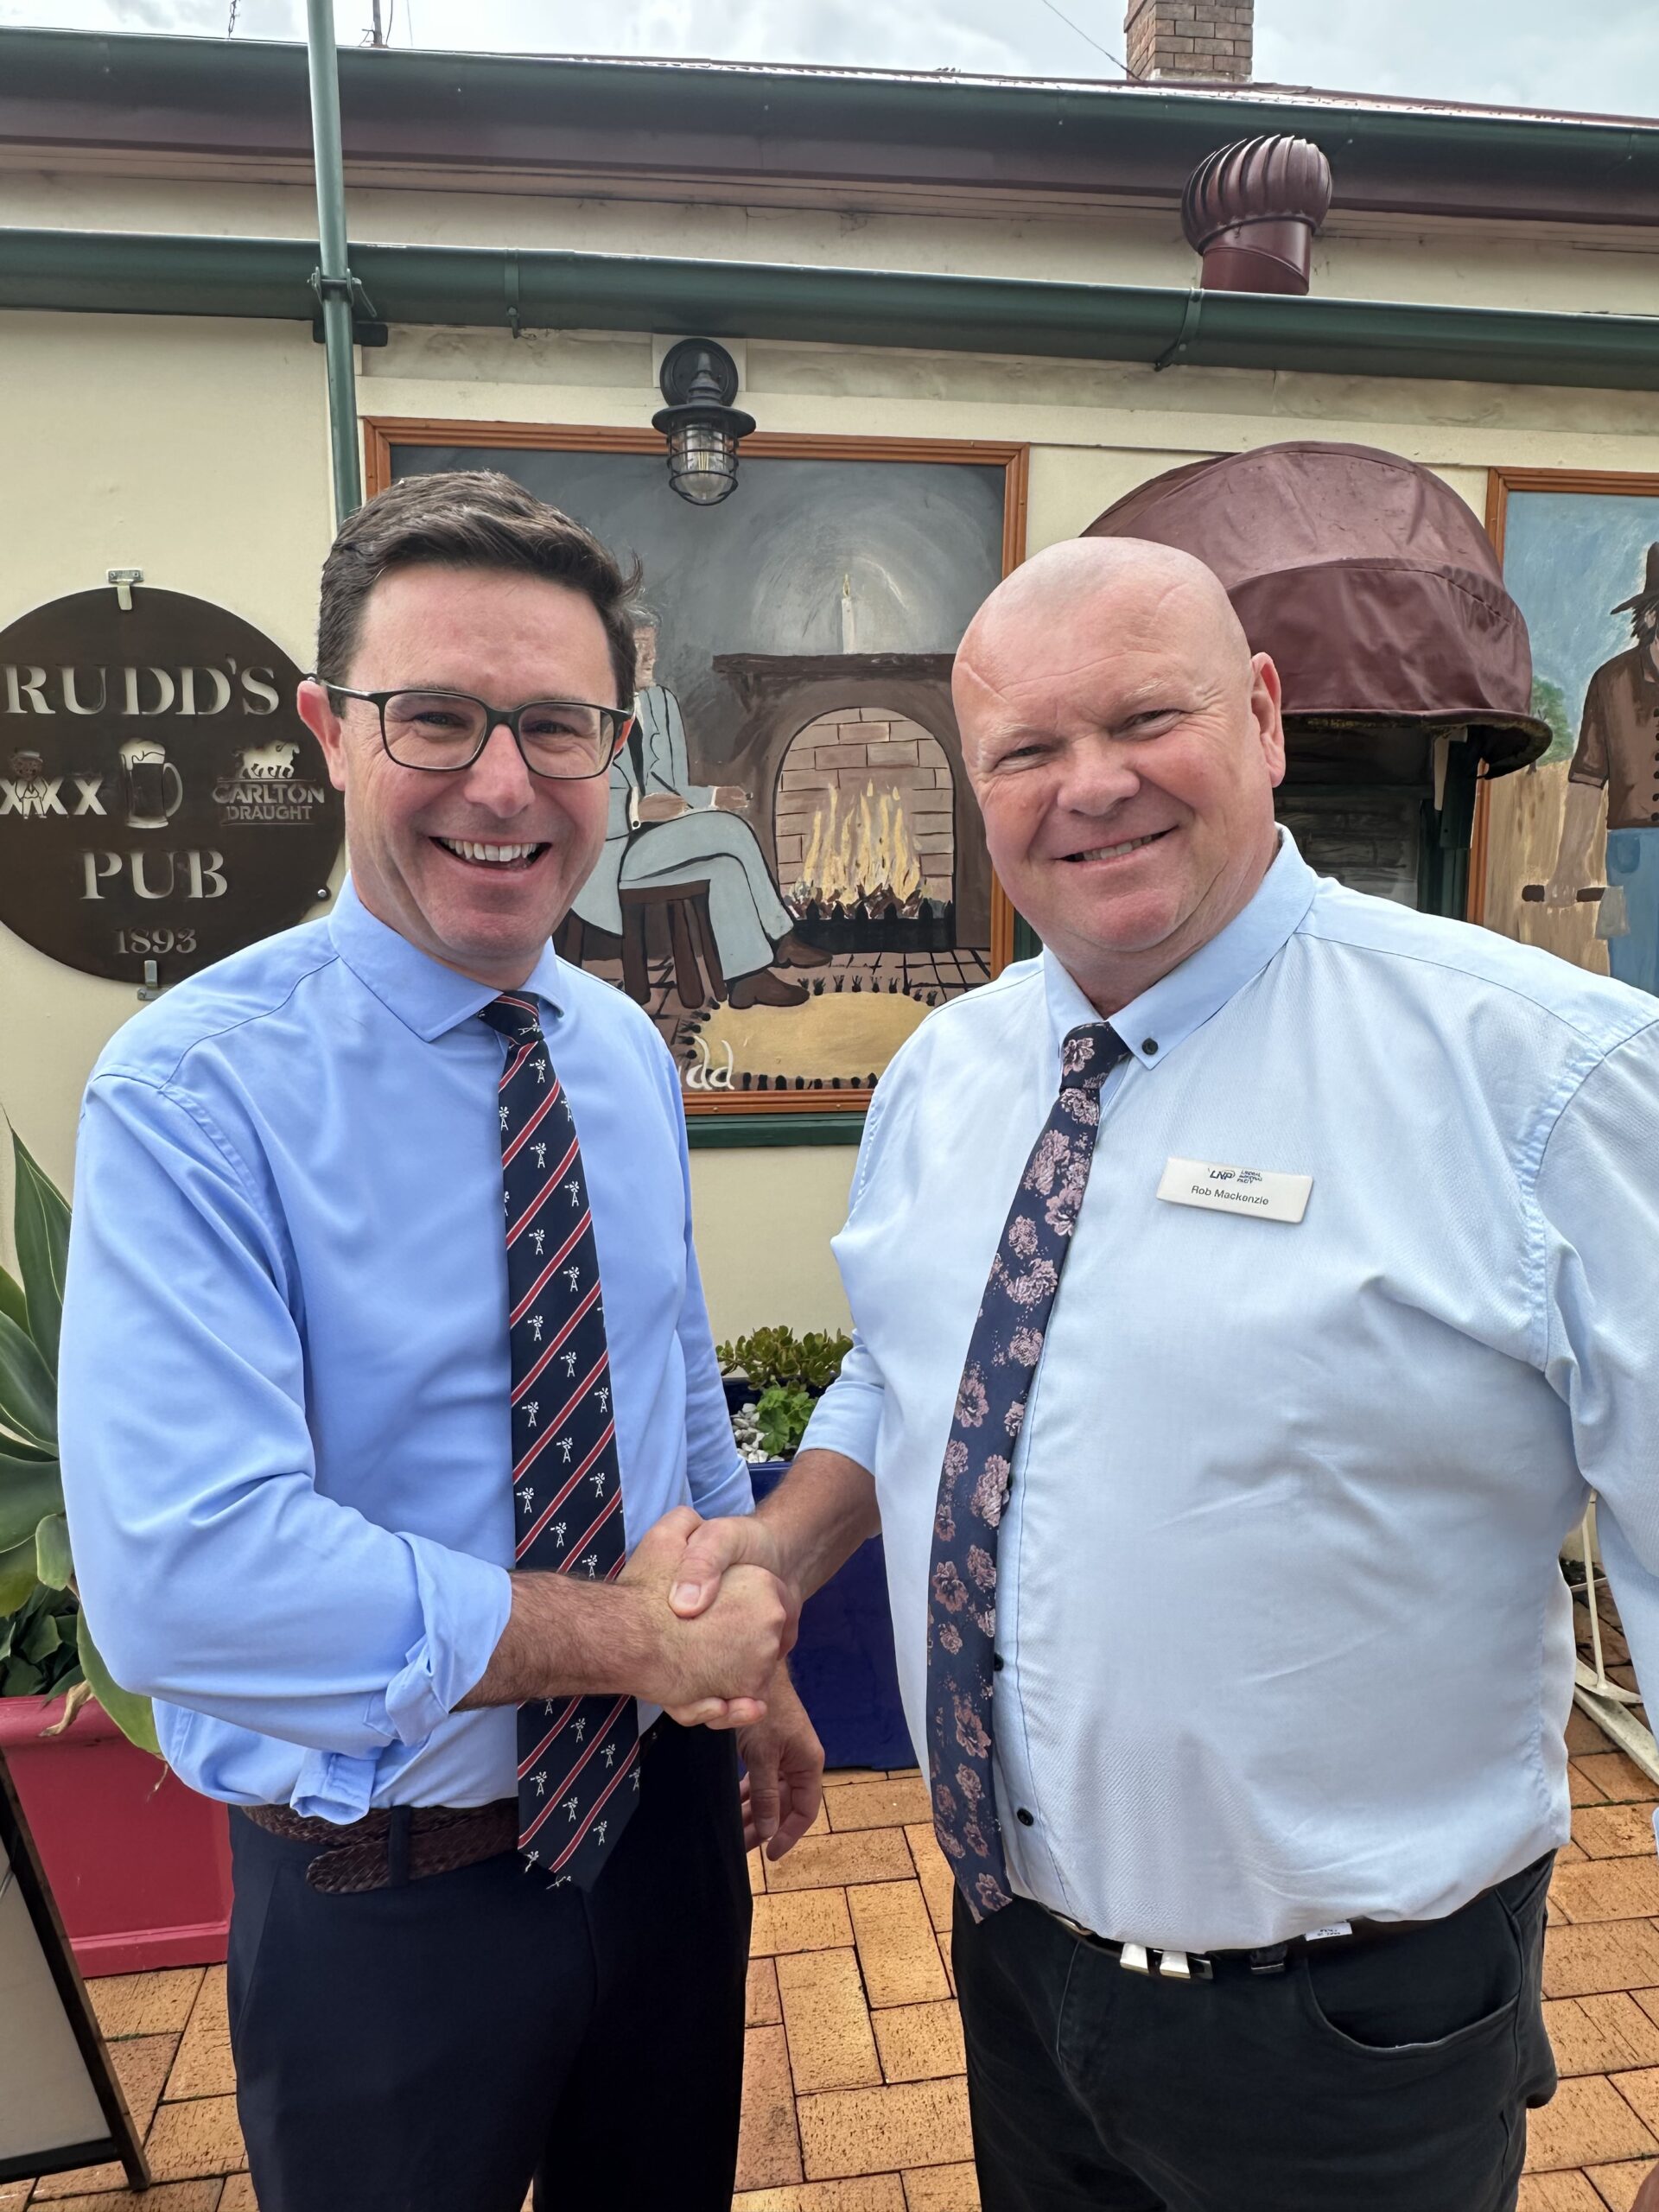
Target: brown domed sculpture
point(1252, 210)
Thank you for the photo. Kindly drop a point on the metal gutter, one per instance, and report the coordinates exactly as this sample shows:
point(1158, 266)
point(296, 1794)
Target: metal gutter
point(143, 273)
point(163, 97)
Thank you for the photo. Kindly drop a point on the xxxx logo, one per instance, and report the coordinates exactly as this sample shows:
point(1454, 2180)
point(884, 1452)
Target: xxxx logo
point(29, 791)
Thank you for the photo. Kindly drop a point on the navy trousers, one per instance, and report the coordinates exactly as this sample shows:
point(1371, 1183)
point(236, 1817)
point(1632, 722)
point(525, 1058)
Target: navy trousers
point(1392, 2077)
point(434, 2046)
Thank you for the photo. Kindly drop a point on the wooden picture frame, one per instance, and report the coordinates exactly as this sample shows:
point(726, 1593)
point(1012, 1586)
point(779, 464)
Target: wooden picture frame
point(813, 1113)
point(1577, 626)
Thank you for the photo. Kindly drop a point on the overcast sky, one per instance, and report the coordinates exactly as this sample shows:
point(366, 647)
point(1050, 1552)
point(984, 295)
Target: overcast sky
point(1600, 56)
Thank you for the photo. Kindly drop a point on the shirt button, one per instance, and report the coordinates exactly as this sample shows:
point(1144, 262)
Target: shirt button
point(1148, 1043)
point(1026, 1820)
point(997, 1661)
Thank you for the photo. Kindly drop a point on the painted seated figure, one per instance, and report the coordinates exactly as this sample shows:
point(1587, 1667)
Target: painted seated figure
point(664, 830)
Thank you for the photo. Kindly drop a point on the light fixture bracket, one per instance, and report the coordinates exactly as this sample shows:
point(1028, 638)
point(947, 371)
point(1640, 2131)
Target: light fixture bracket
point(698, 372)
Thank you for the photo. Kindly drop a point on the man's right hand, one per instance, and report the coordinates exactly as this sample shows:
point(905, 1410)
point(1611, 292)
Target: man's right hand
point(713, 1669)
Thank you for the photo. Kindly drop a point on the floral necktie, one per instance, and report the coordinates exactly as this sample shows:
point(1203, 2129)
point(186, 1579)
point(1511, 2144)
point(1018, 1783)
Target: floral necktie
point(578, 1756)
point(1003, 1356)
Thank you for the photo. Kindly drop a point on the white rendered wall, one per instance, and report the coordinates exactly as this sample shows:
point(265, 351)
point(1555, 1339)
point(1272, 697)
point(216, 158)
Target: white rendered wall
point(197, 450)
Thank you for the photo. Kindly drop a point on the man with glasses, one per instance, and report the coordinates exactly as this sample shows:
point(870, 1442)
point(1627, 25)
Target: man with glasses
point(393, 1210)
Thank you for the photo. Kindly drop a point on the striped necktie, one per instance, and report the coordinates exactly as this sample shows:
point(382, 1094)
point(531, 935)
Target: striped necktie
point(579, 1757)
point(1002, 1356)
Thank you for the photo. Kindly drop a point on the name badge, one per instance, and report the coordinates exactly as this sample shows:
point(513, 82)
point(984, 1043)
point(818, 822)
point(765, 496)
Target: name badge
point(1236, 1190)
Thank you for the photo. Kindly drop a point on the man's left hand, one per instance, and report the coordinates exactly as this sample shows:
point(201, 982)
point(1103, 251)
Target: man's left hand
point(784, 1785)
point(731, 798)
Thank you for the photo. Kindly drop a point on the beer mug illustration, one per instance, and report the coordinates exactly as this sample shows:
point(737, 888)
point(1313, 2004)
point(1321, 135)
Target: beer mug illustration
point(155, 787)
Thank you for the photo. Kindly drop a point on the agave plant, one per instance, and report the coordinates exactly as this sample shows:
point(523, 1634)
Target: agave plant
point(45, 1645)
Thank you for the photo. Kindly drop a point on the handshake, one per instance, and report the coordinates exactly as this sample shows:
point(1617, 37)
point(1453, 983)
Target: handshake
point(715, 1615)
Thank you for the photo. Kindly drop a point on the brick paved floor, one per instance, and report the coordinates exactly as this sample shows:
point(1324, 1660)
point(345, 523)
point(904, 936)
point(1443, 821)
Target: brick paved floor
point(854, 2099)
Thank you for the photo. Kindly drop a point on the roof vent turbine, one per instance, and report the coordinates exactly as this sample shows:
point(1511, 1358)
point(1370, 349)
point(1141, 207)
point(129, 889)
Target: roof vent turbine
point(1252, 210)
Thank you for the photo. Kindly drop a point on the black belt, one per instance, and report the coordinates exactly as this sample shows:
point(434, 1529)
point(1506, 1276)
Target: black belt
point(1204, 1965)
point(1268, 1958)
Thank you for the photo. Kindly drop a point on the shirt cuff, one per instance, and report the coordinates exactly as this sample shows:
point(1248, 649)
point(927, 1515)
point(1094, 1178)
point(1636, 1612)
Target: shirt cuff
point(732, 1497)
point(333, 1786)
point(464, 1605)
point(847, 1419)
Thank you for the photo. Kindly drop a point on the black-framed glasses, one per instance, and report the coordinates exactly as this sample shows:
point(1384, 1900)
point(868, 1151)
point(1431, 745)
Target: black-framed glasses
point(438, 732)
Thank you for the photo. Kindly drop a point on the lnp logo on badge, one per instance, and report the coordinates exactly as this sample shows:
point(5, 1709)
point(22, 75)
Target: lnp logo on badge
point(1256, 1191)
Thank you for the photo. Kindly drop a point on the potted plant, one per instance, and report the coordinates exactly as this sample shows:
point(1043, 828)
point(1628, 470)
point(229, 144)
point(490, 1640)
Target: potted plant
point(842, 1662)
point(774, 1379)
point(139, 1864)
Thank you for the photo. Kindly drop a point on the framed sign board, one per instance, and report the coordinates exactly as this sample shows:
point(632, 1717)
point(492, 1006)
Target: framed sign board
point(162, 804)
point(60, 2105)
point(795, 871)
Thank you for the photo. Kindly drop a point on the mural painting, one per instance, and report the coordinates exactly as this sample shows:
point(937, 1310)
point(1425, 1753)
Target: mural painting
point(793, 872)
point(1572, 843)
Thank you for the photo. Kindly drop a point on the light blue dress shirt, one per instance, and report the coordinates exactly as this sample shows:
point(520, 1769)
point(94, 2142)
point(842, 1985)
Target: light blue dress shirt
point(284, 1383)
point(1285, 1638)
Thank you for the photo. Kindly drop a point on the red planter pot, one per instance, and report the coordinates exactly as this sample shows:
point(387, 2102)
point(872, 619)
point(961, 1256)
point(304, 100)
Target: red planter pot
point(140, 1866)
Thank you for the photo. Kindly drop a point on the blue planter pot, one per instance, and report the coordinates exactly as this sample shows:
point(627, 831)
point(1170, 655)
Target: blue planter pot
point(844, 1665)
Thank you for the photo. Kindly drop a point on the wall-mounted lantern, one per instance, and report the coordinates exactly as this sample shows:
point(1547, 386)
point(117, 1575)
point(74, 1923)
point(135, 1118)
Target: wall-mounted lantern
point(699, 382)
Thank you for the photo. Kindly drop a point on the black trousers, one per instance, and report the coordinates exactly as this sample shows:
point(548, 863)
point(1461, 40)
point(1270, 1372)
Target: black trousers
point(1391, 2076)
point(430, 2048)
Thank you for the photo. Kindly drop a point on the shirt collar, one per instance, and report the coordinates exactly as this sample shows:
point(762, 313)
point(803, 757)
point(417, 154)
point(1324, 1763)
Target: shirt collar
point(427, 997)
point(1177, 1004)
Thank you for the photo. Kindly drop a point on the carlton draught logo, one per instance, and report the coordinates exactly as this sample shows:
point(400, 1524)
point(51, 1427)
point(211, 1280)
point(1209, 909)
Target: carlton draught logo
point(266, 787)
point(159, 795)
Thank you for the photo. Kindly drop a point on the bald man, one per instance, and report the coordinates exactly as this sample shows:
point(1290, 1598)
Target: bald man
point(1247, 1291)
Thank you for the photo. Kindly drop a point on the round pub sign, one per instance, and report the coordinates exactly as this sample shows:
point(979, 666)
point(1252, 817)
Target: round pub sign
point(160, 798)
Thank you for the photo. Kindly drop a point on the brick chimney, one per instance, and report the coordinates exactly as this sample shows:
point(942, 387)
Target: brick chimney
point(1204, 40)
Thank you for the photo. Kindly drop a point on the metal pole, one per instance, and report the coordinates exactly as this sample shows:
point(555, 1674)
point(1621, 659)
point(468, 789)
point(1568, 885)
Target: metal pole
point(333, 279)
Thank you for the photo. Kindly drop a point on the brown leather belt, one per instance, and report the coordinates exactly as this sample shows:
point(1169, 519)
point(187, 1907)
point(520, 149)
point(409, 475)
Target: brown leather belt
point(396, 1843)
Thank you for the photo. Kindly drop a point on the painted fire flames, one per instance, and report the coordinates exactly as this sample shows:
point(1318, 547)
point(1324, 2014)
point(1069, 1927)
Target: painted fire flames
point(861, 864)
